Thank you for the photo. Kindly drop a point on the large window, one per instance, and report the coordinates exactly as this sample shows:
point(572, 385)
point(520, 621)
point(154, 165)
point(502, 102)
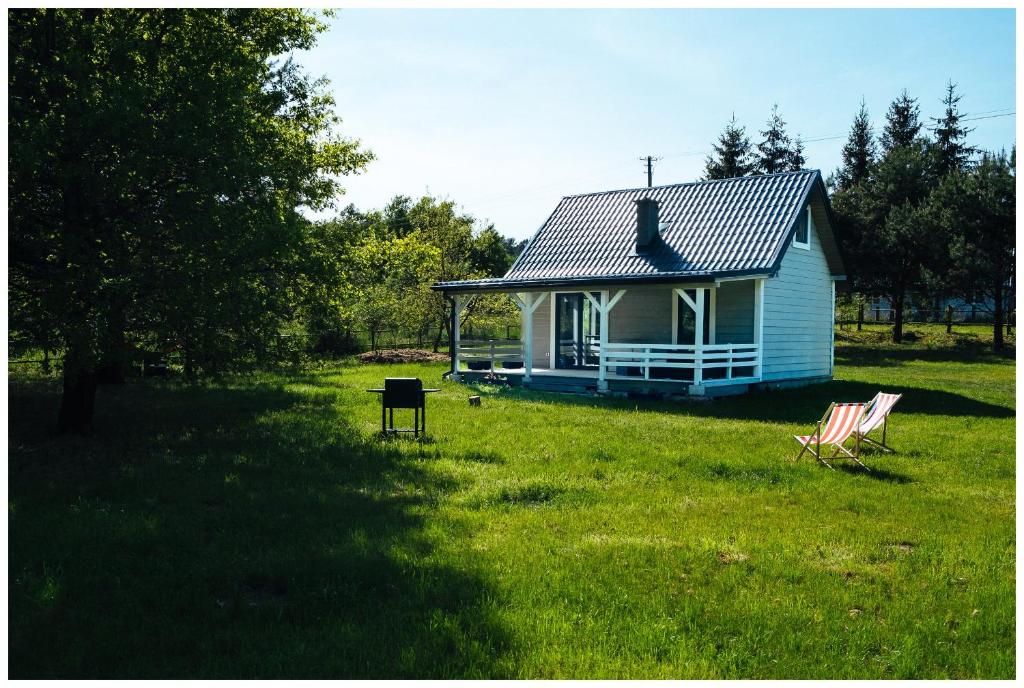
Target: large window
point(802, 237)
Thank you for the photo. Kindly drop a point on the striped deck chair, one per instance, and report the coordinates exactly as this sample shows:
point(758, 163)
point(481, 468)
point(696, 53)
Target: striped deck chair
point(835, 427)
point(878, 410)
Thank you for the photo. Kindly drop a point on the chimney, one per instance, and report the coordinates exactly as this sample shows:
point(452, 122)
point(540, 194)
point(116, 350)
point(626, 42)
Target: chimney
point(647, 236)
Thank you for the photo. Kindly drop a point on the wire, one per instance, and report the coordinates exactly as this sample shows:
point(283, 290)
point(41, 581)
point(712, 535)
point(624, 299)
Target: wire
point(500, 199)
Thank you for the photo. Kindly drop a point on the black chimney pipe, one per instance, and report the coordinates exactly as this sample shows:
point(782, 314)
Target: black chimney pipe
point(646, 224)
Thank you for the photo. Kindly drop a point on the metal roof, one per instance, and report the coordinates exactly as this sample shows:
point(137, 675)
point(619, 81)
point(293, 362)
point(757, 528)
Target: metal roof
point(728, 227)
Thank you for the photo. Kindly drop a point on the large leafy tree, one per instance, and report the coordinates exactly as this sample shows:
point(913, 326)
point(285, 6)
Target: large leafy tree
point(977, 210)
point(732, 156)
point(389, 282)
point(157, 162)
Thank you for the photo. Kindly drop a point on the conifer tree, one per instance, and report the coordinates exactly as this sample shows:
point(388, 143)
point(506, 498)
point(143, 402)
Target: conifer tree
point(858, 152)
point(951, 152)
point(774, 151)
point(732, 154)
point(797, 160)
point(903, 123)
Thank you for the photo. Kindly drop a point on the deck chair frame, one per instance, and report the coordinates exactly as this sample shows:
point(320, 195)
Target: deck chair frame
point(885, 424)
point(839, 451)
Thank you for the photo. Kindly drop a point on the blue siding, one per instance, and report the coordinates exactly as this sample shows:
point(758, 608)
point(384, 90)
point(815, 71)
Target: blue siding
point(734, 313)
point(798, 312)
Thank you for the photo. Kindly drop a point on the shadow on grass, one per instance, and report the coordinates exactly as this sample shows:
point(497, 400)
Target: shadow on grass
point(798, 405)
point(230, 532)
point(875, 473)
point(889, 356)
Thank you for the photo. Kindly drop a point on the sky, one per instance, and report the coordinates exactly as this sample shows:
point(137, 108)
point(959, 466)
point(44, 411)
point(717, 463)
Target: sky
point(506, 111)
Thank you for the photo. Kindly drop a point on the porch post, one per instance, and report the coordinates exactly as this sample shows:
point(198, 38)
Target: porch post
point(759, 324)
point(527, 313)
point(602, 341)
point(698, 339)
point(459, 304)
point(604, 308)
point(528, 303)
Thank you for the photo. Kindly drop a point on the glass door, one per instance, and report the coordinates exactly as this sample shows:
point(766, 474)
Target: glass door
point(577, 332)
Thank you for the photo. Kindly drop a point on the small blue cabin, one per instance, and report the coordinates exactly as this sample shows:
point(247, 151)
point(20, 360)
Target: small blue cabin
point(708, 288)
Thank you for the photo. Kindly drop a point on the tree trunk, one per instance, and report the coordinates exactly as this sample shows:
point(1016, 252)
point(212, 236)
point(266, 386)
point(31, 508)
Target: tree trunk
point(440, 331)
point(897, 322)
point(949, 319)
point(188, 361)
point(997, 325)
point(860, 316)
point(79, 398)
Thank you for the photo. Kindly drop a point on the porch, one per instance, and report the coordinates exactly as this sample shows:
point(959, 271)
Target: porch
point(681, 339)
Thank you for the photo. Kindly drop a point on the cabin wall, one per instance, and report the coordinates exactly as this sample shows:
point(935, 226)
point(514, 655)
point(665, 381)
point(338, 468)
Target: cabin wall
point(542, 334)
point(798, 316)
point(734, 313)
point(643, 314)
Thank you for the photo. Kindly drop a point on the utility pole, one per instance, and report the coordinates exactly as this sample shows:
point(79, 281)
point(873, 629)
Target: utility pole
point(650, 160)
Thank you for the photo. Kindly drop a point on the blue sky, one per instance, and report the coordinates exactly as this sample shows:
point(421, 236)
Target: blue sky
point(506, 111)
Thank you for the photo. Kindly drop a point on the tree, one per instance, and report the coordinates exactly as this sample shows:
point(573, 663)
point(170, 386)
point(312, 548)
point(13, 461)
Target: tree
point(389, 282)
point(157, 162)
point(951, 152)
point(774, 152)
point(977, 209)
point(732, 154)
point(885, 231)
point(902, 123)
point(796, 155)
point(858, 152)
point(489, 253)
point(514, 248)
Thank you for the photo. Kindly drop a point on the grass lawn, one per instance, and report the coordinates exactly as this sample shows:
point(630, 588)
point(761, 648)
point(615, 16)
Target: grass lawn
point(257, 528)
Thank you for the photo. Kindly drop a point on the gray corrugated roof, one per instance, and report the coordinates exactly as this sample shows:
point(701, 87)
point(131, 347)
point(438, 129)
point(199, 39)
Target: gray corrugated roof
point(723, 227)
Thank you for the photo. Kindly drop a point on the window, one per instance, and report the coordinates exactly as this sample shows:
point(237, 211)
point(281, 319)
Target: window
point(802, 236)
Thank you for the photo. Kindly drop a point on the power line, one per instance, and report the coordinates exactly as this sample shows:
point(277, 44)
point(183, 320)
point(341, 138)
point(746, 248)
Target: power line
point(977, 116)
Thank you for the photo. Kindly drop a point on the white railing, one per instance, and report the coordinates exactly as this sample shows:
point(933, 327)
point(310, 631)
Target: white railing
point(699, 359)
point(491, 350)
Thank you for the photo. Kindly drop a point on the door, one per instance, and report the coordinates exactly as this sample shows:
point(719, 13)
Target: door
point(577, 331)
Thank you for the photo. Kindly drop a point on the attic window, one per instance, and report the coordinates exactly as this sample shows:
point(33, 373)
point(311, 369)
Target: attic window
point(802, 236)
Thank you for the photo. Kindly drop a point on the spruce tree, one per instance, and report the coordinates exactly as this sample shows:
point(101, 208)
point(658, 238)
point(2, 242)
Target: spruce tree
point(903, 123)
point(774, 151)
point(858, 152)
point(951, 152)
point(732, 155)
point(796, 155)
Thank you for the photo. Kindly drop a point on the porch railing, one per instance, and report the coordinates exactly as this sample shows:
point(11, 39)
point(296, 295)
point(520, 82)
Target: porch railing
point(491, 351)
point(730, 358)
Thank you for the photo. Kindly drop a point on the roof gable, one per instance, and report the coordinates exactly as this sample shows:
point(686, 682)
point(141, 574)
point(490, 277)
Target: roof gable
point(724, 227)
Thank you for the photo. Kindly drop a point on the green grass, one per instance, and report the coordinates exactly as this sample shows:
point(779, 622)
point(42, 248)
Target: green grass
point(258, 528)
